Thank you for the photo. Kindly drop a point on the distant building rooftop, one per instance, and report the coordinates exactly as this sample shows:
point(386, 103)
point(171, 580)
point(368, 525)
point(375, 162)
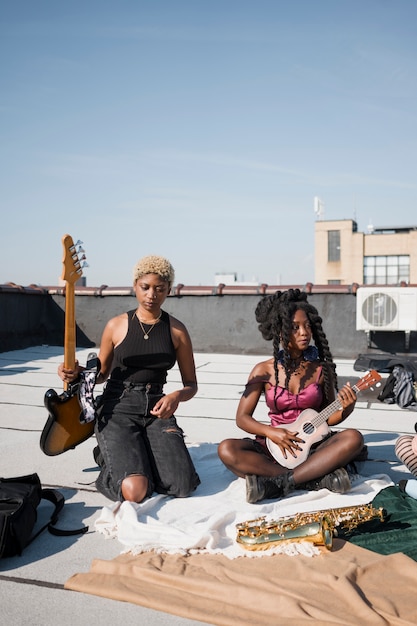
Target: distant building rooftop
point(384, 230)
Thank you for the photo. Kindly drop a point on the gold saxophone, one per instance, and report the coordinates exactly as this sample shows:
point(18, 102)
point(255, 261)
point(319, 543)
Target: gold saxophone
point(318, 527)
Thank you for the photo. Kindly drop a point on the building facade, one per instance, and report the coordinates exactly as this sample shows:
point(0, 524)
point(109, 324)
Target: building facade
point(382, 256)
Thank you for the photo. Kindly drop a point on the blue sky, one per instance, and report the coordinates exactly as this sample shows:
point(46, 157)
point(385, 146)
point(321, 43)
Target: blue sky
point(201, 130)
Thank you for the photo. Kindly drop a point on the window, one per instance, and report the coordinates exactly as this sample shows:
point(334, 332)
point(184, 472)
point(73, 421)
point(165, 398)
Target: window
point(334, 281)
point(386, 270)
point(333, 245)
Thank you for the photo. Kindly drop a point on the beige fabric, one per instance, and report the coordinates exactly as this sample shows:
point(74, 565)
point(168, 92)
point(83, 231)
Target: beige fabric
point(347, 586)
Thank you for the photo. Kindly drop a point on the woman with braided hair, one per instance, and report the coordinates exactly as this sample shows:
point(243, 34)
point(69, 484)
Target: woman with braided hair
point(299, 376)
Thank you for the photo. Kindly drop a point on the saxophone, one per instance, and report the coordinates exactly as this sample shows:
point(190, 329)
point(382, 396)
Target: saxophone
point(317, 527)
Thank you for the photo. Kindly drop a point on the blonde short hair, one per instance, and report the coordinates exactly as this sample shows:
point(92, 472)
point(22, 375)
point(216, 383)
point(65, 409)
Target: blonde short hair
point(154, 265)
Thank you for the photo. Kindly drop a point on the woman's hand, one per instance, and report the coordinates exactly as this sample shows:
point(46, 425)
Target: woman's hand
point(347, 398)
point(69, 375)
point(287, 440)
point(166, 406)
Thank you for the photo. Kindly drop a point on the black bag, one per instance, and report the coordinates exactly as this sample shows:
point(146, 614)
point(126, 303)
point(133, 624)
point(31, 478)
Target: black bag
point(399, 389)
point(19, 500)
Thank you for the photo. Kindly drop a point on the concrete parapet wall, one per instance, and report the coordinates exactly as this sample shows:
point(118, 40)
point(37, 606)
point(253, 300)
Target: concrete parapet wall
point(223, 323)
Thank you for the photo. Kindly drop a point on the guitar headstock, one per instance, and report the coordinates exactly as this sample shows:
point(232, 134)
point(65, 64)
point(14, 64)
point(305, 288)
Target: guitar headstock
point(371, 378)
point(73, 266)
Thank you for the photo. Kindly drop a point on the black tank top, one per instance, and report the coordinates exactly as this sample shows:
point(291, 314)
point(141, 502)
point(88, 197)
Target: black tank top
point(139, 360)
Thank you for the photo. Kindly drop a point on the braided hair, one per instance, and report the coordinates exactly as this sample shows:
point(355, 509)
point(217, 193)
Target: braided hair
point(274, 314)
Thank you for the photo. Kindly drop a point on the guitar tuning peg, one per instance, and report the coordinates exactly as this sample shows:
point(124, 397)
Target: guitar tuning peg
point(80, 250)
point(85, 264)
point(79, 243)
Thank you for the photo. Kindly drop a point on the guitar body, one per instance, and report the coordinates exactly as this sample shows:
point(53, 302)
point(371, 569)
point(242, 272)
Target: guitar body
point(63, 430)
point(308, 431)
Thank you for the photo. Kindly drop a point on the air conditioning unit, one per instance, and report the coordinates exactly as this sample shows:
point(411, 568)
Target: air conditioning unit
point(387, 309)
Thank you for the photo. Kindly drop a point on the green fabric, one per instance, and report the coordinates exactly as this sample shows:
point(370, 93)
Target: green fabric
point(398, 531)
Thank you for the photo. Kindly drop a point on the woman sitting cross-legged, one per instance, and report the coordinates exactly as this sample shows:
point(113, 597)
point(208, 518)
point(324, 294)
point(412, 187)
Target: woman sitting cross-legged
point(299, 376)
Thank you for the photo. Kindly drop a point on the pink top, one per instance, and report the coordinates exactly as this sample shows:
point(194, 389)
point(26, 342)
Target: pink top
point(287, 406)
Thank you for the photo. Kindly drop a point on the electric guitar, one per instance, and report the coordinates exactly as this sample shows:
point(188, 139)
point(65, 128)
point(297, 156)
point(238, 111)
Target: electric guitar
point(313, 427)
point(64, 430)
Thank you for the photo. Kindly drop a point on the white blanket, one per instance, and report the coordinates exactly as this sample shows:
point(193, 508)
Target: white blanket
point(206, 521)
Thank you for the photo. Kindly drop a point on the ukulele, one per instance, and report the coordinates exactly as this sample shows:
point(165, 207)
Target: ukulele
point(64, 429)
point(313, 427)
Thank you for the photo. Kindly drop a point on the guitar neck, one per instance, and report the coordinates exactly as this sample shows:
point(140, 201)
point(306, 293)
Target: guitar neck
point(69, 335)
point(324, 415)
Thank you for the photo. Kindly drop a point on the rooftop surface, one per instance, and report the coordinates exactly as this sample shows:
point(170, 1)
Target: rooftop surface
point(31, 588)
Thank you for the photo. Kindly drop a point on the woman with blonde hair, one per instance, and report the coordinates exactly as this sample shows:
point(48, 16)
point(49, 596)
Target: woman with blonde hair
point(141, 448)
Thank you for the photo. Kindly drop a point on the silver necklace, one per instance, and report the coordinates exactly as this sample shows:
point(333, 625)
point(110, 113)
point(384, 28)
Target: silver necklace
point(147, 333)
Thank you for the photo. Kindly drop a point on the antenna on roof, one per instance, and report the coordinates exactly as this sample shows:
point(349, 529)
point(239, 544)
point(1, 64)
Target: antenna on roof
point(318, 208)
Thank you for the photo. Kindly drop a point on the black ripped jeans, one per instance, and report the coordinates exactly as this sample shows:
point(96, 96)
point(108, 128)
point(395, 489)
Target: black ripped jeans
point(132, 441)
